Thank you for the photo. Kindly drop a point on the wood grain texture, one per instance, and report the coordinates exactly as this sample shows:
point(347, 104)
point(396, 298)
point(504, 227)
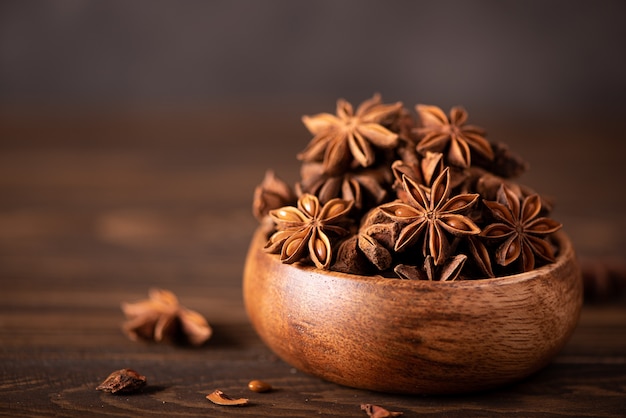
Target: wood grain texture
point(416, 337)
point(96, 208)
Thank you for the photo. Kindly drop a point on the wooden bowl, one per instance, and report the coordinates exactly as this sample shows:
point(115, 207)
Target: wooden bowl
point(416, 337)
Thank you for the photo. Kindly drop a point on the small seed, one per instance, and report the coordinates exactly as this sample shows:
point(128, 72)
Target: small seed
point(259, 386)
point(292, 247)
point(320, 250)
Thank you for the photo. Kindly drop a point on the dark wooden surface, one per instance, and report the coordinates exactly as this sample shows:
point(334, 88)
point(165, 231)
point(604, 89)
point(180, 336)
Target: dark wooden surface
point(96, 207)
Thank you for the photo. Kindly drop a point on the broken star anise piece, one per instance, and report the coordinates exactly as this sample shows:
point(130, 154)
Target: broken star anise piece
point(423, 171)
point(306, 230)
point(522, 230)
point(349, 134)
point(375, 411)
point(123, 381)
point(366, 187)
point(160, 317)
point(272, 193)
point(439, 133)
point(220, 398)
point(429, 216)
point(449, 271)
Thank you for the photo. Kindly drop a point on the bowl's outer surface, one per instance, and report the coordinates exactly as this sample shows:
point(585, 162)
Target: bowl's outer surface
point(414, 337)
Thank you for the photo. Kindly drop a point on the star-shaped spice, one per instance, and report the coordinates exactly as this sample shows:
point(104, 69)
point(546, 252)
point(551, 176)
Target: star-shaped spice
point(272, 193)
point(305, 230)
point(349, 134)
point(160, 317)
point(521, 228)
point(423, 171)
point(448, 271)
point(429, 216)
point(366, 187)
point(439, 133)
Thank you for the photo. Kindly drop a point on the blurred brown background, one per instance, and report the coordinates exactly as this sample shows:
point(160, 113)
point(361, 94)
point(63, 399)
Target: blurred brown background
point(546, 77)
point(529, 55)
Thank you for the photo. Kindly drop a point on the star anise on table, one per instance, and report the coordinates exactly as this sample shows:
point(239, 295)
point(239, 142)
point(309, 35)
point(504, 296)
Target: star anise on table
point(306, 230)
point(430, 216)
point(350, 135)
point(160, 317)
point(521, 228)
point(440, 133)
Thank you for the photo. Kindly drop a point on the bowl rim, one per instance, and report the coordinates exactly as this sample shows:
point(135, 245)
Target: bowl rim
point(563, 243)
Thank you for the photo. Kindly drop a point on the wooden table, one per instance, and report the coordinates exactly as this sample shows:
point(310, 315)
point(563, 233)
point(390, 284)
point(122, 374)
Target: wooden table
point(96, 207)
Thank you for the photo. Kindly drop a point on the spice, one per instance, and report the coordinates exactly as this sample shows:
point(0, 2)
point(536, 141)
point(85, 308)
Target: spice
point(365, 187)
point(259, 386)
point(446, 272)
point(429, 216)
point(439, 133)
point(415, 197)
point(306, 230)
point(375, 411)
point(272, 193)
point(220, 398)
point(350, 136)
point(160, 318)
point(521, 228)
point(122, 381)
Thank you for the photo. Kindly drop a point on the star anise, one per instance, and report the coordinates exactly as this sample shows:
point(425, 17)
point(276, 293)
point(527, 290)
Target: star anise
point(449, 271)
point(350, 135)
point(304, 230)
point(366, 187)
point(160, 317)
point(272, 193)
point(440, 133)
point(521, 228)
point(423, 171)
point(480, 257)
point(431, 215)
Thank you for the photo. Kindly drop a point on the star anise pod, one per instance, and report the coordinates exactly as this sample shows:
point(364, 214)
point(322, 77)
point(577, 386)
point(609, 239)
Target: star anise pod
point(429, 216)
point(377, 236)
point(160, 317)
point(366, 187)
point(424, 171)
point(521, 228)
point(349, 134)
point(272, 193)
point(480, 258)
point(449, 271)
point(488, 184)
point(505, 163)
point(305, 230)
point(439, 133)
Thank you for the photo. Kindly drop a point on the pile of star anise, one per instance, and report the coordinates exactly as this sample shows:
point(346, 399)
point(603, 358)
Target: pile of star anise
point(424, 196)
